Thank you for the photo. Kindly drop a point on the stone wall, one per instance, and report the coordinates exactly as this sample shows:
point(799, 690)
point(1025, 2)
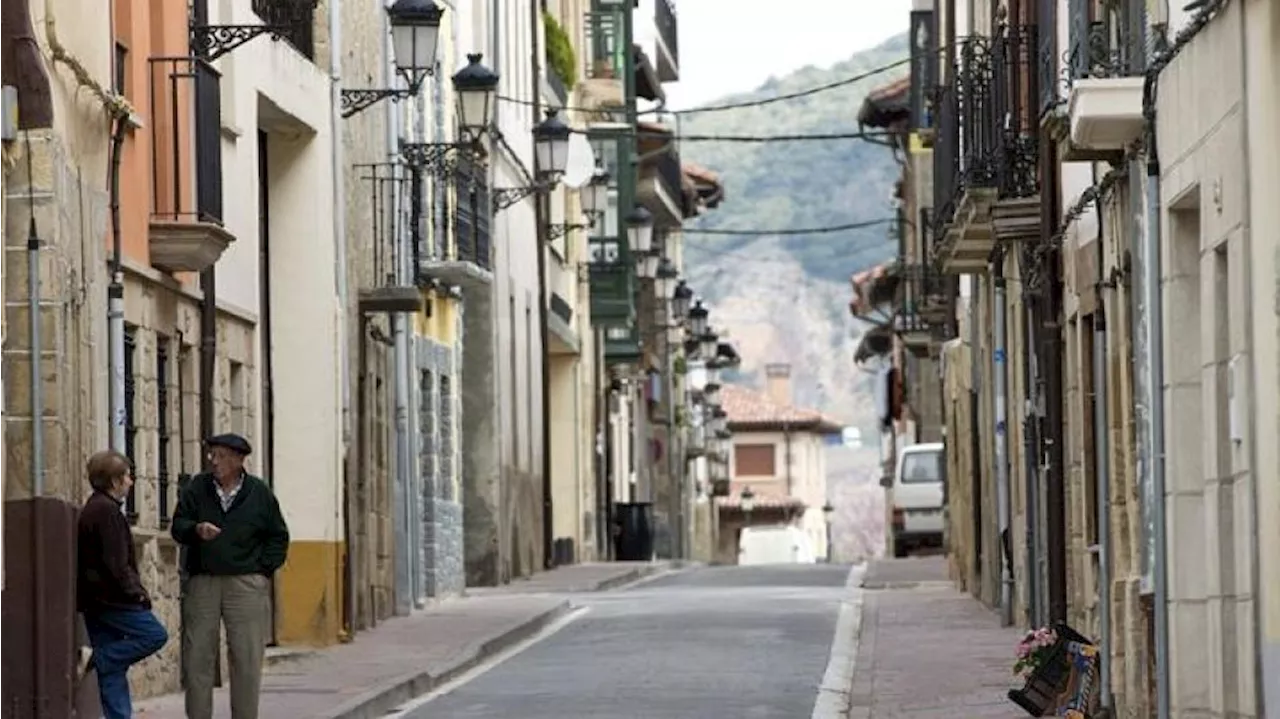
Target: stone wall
point(440, 506)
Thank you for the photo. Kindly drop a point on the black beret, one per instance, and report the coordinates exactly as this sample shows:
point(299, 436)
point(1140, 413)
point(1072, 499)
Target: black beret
point(231, 441)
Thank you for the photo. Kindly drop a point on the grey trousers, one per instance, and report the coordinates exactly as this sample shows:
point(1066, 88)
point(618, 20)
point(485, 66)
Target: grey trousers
point(242, 603)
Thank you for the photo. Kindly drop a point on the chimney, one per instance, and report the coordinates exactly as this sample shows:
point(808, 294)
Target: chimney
point(778, 382)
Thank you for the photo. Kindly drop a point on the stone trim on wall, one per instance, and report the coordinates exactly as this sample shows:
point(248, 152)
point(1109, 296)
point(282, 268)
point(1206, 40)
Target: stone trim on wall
point(438, 427)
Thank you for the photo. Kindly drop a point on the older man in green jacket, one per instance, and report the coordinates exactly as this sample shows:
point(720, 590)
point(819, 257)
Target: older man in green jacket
point(236, 538)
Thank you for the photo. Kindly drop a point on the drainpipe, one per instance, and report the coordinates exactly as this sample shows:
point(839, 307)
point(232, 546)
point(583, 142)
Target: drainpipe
point(1031, 433)
point(1001, 381)
point(347, 572)
point(541, 214)
point(1154, 390)
point(400, 340)
point(37, 429)
point(1102, 477)
point(115, 296)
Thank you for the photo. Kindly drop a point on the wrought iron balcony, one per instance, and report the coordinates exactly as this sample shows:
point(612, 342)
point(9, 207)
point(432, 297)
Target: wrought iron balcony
point(1104, 70)
point(296, 18)
point(185, 230)
point(666, 22)
point(1109, 47)
point(386, 282)
point(464, 255)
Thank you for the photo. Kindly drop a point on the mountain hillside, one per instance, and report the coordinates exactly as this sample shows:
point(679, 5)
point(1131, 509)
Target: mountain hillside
point(785, 298)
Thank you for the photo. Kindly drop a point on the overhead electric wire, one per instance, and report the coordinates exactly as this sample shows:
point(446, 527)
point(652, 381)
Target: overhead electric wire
point(745, 103)
point(655, 134)
point(783, 231)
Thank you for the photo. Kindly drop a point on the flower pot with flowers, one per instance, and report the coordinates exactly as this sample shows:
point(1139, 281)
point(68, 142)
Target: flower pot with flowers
point(1059, 668)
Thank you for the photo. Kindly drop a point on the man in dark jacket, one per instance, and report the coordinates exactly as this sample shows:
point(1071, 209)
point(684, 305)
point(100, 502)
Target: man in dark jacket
point(236, 539)
point(109, 592)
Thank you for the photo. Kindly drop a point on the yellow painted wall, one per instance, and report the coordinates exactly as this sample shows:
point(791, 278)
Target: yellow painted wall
point(309, 594)
point(441, 326)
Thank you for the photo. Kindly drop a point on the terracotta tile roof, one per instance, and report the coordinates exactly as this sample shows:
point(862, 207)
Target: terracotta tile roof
point(749, 408)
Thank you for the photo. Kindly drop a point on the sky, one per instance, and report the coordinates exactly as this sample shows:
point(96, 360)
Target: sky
point(730, 46)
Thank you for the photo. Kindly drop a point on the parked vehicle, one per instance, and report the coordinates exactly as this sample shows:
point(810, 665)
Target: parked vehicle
point(918, 498)
point(775, 544)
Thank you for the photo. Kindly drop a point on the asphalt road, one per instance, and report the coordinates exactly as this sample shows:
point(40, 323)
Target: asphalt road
point(710, 643)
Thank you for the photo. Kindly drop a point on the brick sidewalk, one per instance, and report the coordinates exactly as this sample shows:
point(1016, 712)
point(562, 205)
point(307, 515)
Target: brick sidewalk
point(931, 651)
point(404, 657)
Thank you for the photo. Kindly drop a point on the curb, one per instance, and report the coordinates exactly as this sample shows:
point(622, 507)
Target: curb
point(382, 699)
point(837, 681)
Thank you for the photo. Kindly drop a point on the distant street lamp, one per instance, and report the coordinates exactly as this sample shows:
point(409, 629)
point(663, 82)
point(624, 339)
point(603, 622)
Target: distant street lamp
point(640, 230)
point(828, 512)
point(477, 89)
point(748, 498)
point(707, 344)
point(680, 300)
point(666, 274)
point(698, 319)
point(551, 145)
point(595, 195)
point(711, 391)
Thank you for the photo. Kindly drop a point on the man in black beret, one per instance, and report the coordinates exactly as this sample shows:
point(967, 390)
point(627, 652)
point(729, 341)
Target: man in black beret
point(236, 538)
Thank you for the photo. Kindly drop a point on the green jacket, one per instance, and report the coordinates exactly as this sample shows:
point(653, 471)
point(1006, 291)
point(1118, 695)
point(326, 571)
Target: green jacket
point(254, 538)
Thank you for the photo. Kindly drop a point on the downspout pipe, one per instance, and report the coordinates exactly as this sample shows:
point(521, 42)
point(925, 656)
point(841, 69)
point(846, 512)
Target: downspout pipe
point(337, 161)
point(542, 200)
point(400, 367)
point(115, 295)
point(1001, 382)
point(1102, 468)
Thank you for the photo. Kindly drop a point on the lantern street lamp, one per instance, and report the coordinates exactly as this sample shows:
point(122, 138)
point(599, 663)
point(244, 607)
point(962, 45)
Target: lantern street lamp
point(680, 299)
point(667, 274)
point(646, 266)
point(595, 195)
point(551, 145)
point(711, 391)
point(698, 319)
point(415, 33)
point(719, 420)
point(748, 500)
point(707, 345)
point(828, 510)
point(477, 89)
point(640, 230)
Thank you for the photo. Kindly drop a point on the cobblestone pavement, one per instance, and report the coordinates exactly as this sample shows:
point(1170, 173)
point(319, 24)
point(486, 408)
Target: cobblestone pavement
point(928, 651)
point(407, 656)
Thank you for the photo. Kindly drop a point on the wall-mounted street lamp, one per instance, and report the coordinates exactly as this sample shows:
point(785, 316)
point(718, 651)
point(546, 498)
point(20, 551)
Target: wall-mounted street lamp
point(210, 42)
point(550, 158)
point(707, 343)
point(698, 315)
point(415, 34)
point(681, 298)
point(666, 275)
point(640, 230)
point(594, 196)
point(711, 393)
point(748, 500)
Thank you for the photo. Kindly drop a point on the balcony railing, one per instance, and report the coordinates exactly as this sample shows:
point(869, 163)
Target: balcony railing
point(1013, 113)
point(1109, 47)
point(605, 58)
point(186, 141)
point(946, 161)
point(668, 28)
point(471, 235)
point(296, 18)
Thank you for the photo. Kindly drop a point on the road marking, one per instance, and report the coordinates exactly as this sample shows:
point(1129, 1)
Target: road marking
point(497, 659)
point(837, 681)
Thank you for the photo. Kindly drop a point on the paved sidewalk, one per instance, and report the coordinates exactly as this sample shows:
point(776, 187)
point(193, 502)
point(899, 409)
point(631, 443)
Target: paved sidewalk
point(930, 651)
point(405, 657)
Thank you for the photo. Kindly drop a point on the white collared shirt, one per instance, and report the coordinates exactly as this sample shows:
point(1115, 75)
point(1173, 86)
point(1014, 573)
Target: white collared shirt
point(227, 497)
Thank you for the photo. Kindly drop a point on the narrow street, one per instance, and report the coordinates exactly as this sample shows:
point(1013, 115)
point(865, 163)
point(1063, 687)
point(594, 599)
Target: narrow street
point(713, 642)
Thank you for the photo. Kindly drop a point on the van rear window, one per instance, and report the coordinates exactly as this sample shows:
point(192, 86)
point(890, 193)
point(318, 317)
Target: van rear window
point(921, 467)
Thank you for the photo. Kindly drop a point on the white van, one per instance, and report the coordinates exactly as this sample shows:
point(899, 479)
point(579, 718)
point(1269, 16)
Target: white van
point(918, 497)
point(776, 544)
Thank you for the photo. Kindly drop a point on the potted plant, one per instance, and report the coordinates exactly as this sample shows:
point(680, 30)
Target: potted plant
point(1058, 667)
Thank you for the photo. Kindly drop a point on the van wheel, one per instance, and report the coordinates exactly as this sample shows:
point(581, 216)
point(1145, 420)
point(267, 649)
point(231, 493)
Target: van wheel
point(900, 549)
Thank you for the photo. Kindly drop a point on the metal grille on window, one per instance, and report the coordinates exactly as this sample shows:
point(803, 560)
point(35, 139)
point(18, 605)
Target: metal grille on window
point(446, 438)
point(162, 431)
point(130, 428)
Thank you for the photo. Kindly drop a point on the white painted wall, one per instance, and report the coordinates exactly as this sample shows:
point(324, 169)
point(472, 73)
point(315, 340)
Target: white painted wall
point(269, 84)
point(808, 473)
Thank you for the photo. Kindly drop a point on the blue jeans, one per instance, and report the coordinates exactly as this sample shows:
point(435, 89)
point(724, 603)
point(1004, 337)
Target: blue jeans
point(120, 639)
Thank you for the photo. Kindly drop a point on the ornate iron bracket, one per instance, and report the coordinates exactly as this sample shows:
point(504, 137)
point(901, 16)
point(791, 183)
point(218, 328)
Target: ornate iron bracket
point(358, 100)
point(210, 42)
point(555, 232)
point(504, 197)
